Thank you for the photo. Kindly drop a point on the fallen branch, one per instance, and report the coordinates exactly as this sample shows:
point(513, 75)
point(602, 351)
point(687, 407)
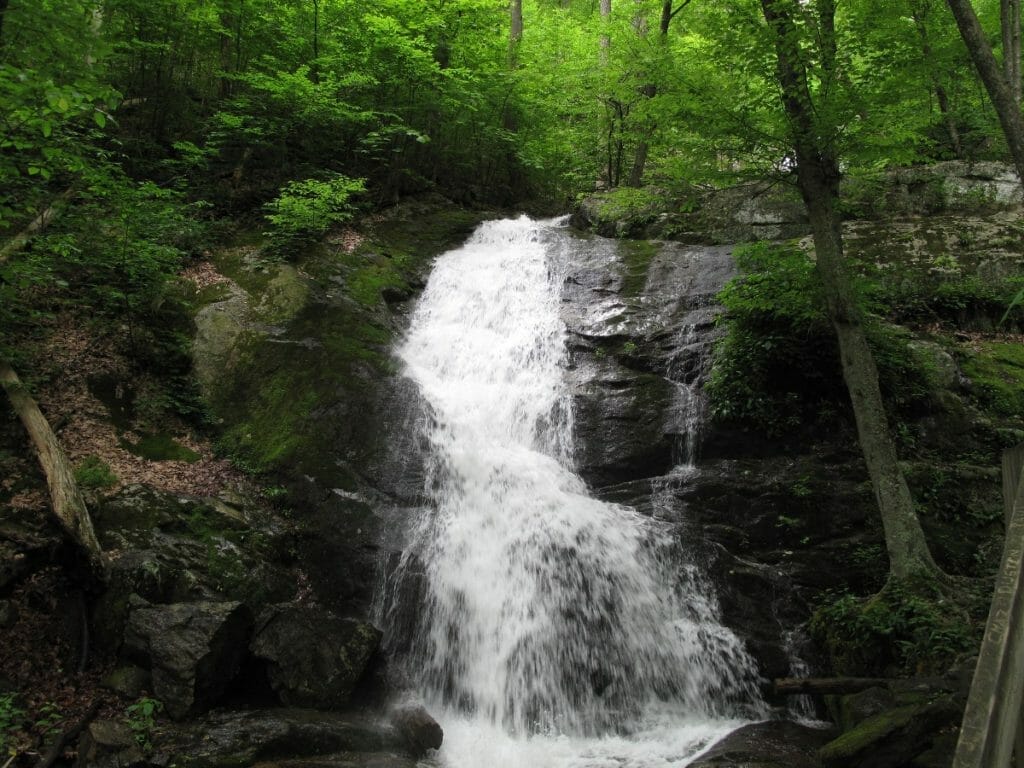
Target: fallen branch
point(57, 748)
point(47, 215)
point(66, 500)
point(823, 686)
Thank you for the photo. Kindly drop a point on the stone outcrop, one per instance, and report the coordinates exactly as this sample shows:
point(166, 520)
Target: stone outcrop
point(313, 658)
point(193, 649)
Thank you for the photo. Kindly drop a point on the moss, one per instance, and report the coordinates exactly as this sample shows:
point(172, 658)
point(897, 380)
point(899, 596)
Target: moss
point(997, 372)
point(868, 733)
point(636, 260)
point(161, 447)
point(277, 416)
point(94, 472)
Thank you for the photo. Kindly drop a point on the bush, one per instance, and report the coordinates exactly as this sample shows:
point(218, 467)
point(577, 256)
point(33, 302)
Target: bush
point(905, 628)
point(305, 210)
point(778, 366)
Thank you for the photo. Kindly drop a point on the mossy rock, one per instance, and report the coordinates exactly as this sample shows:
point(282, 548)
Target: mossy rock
point(892, 738)
point(996, 371)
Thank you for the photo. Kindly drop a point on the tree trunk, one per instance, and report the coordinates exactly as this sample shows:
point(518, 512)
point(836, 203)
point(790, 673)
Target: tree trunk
point(818, 179)
point(1009, 11)
point(918, 11)
point(67, 503)
point(992, 76)
point(516, 28)
point(606, 15)
point(515, 32)
point(3, 13)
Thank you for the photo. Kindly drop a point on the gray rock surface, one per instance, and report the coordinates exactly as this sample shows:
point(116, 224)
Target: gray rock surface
point(193, 649)
point(314, 658)
point(774, 744)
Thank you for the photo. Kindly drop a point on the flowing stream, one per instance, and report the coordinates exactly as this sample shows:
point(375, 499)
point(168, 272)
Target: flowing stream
point(553, 629)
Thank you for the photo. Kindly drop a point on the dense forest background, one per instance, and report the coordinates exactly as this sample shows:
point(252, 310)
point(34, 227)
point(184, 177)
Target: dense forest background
point(152, 125)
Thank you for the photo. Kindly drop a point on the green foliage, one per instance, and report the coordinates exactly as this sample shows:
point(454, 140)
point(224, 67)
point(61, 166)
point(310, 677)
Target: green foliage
point(94, 473)
point(996, 370)
point(906, 629)
point(777, 367)
point(305, 210)
point(11, 720)
point(141, 718)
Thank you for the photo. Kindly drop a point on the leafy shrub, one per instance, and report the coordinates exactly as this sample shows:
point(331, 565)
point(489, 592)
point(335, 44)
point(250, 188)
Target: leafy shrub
point(305, 210)
point(912, 628)
point(141, 718)
point(94, 473)
point(11, 716)
point(778, 366)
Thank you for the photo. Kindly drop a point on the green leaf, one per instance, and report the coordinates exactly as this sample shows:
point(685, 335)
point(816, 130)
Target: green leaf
point(47, 129)
point(100, 119)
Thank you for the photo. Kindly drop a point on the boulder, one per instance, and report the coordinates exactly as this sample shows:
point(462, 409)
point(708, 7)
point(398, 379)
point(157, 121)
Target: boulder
point(108, 744)
point(313, 658)
point(193, 649)
point(774, 744)
point(417, 730)
point(278, 737)
point(893, 737)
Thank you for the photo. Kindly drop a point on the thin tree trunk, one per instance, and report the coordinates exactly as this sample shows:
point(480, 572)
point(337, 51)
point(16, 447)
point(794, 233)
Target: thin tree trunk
point(818, 178)
point(918, 11)
point(3, 13)
point(994, 79)
point(37, 224)
point(1009, 11)
point(66, 501)
point(515, 32)
point(606, 15)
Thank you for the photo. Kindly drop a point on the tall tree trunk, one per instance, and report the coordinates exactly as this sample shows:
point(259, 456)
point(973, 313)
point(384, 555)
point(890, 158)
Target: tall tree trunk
point(67, 503)
point(818, 178)
point(606, 15)
point(918, 11)
point(1009, 12)
point(314, 73)
point(3, 14)
point(515, 32)
point(992, 76)
point(636, 173)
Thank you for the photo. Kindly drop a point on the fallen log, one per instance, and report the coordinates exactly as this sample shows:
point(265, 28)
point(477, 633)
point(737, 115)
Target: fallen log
point(66, 500)
point(823, 686)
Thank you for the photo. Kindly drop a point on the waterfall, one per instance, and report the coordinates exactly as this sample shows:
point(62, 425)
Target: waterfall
point(553, 627)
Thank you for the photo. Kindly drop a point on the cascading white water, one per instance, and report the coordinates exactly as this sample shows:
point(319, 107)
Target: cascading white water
point(554, 631)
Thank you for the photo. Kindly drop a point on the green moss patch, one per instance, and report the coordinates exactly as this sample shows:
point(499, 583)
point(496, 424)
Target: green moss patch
point(996, 370)
point(160, 447)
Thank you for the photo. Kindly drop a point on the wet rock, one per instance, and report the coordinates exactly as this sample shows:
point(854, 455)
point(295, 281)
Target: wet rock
point(344, 760)
point(108, 744)
point(849, 711)
point(314, 658)
point(193, 649)
point(279, 737)
point(893, 737)
point(775, 744)
point(417, 730)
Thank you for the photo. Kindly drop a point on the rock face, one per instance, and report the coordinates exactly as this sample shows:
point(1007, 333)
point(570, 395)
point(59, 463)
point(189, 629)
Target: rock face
point(417, 730)
point(893, 737)
point(108, 744)
point(288, 737)
point(314, 659)
point(193, 649)
point(777, 744)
